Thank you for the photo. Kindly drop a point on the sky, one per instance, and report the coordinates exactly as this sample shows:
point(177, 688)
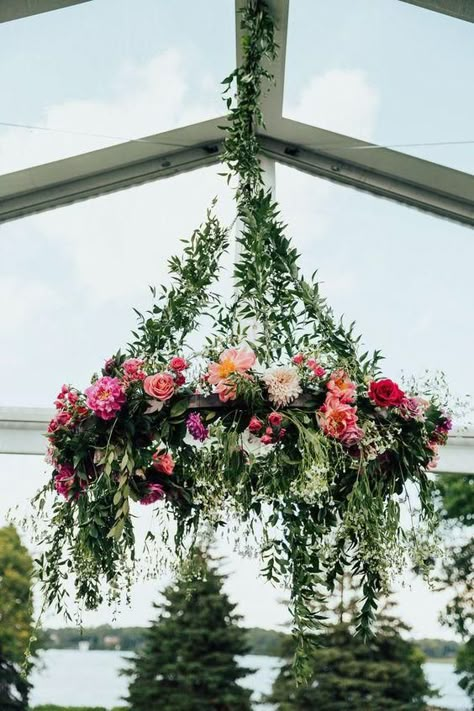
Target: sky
point(109, 70)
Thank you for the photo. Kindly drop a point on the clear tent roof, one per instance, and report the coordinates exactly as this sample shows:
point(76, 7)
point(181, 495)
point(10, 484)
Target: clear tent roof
point(99, 74)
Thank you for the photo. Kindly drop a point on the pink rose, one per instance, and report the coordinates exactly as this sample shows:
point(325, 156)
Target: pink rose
point(62, 419)
point(275, 419)
point(178, 364)
point(282, 433)
point(352, 436)
point(179, 380)
point(266, 439)
point(412, 409)
point(163, 462)
point(298, 359)
point(255, 425)
point(159, 386)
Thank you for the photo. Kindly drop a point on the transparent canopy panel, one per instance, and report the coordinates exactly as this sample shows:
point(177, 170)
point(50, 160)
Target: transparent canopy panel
point(385, 72)
point(103, 72)
point(405, 277)
point(70, 277)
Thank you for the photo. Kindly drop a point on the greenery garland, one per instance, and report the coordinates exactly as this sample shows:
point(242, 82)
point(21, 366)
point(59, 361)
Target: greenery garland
point(278, 423)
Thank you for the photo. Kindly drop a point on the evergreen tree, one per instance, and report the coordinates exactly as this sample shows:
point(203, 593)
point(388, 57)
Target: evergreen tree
point(188, 659)
point(16, 615)
point(457, 496)
point(13, 687)
point(346, 673)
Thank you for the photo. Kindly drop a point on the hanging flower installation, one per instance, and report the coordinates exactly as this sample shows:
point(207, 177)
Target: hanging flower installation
point(289, 431)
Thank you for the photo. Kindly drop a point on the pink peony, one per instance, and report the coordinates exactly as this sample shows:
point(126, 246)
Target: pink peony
point(64, 480)
point(226, 390)
point(341, 386)
point(336, 418)
point(232, 360)
point(133, 370)
point(105, 397)
point(159, 386)
point(155, 493)
point(163, 462)
point(178, 364)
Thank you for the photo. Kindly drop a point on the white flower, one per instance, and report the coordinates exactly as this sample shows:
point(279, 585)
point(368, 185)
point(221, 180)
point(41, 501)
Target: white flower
point(283, 385)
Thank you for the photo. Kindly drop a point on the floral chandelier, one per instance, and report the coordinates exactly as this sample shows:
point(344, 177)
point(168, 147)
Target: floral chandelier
point(278, 422)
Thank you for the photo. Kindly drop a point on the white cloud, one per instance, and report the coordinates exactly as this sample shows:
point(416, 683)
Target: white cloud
point(339, 100)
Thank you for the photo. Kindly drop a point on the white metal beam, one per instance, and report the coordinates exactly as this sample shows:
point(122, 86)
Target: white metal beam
point(63, 182)
point(462, 9)
point(428, 186)
point(16, 9)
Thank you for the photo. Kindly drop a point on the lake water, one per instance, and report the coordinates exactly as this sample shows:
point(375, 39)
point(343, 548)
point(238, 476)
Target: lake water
point(91, 678)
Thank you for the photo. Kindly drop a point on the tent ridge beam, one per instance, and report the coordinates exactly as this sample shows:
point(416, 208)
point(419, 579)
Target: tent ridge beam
point(370, 180)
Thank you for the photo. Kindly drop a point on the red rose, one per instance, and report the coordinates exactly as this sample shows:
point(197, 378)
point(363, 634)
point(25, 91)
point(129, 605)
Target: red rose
point(275, 419)
point(178, 364)
point(160, 386)
point(179, 380)
point(385, 393)
point(163, 462)
point(255, 425)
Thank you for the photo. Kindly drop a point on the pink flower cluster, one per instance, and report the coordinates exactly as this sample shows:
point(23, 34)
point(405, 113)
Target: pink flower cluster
point(338, 417)
point(271, 432)
point(316, 370)
point(105, 397)
point(133, 370)
point(231, 362)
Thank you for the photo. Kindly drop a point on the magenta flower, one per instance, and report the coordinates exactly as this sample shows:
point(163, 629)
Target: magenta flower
point(196, 427)
point(155, 493)
point(105, 397)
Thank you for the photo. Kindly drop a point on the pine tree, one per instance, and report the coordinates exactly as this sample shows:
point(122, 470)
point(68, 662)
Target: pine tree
point(16, 615)
point(188, 659)
point(346, 673)
point(14, 688)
